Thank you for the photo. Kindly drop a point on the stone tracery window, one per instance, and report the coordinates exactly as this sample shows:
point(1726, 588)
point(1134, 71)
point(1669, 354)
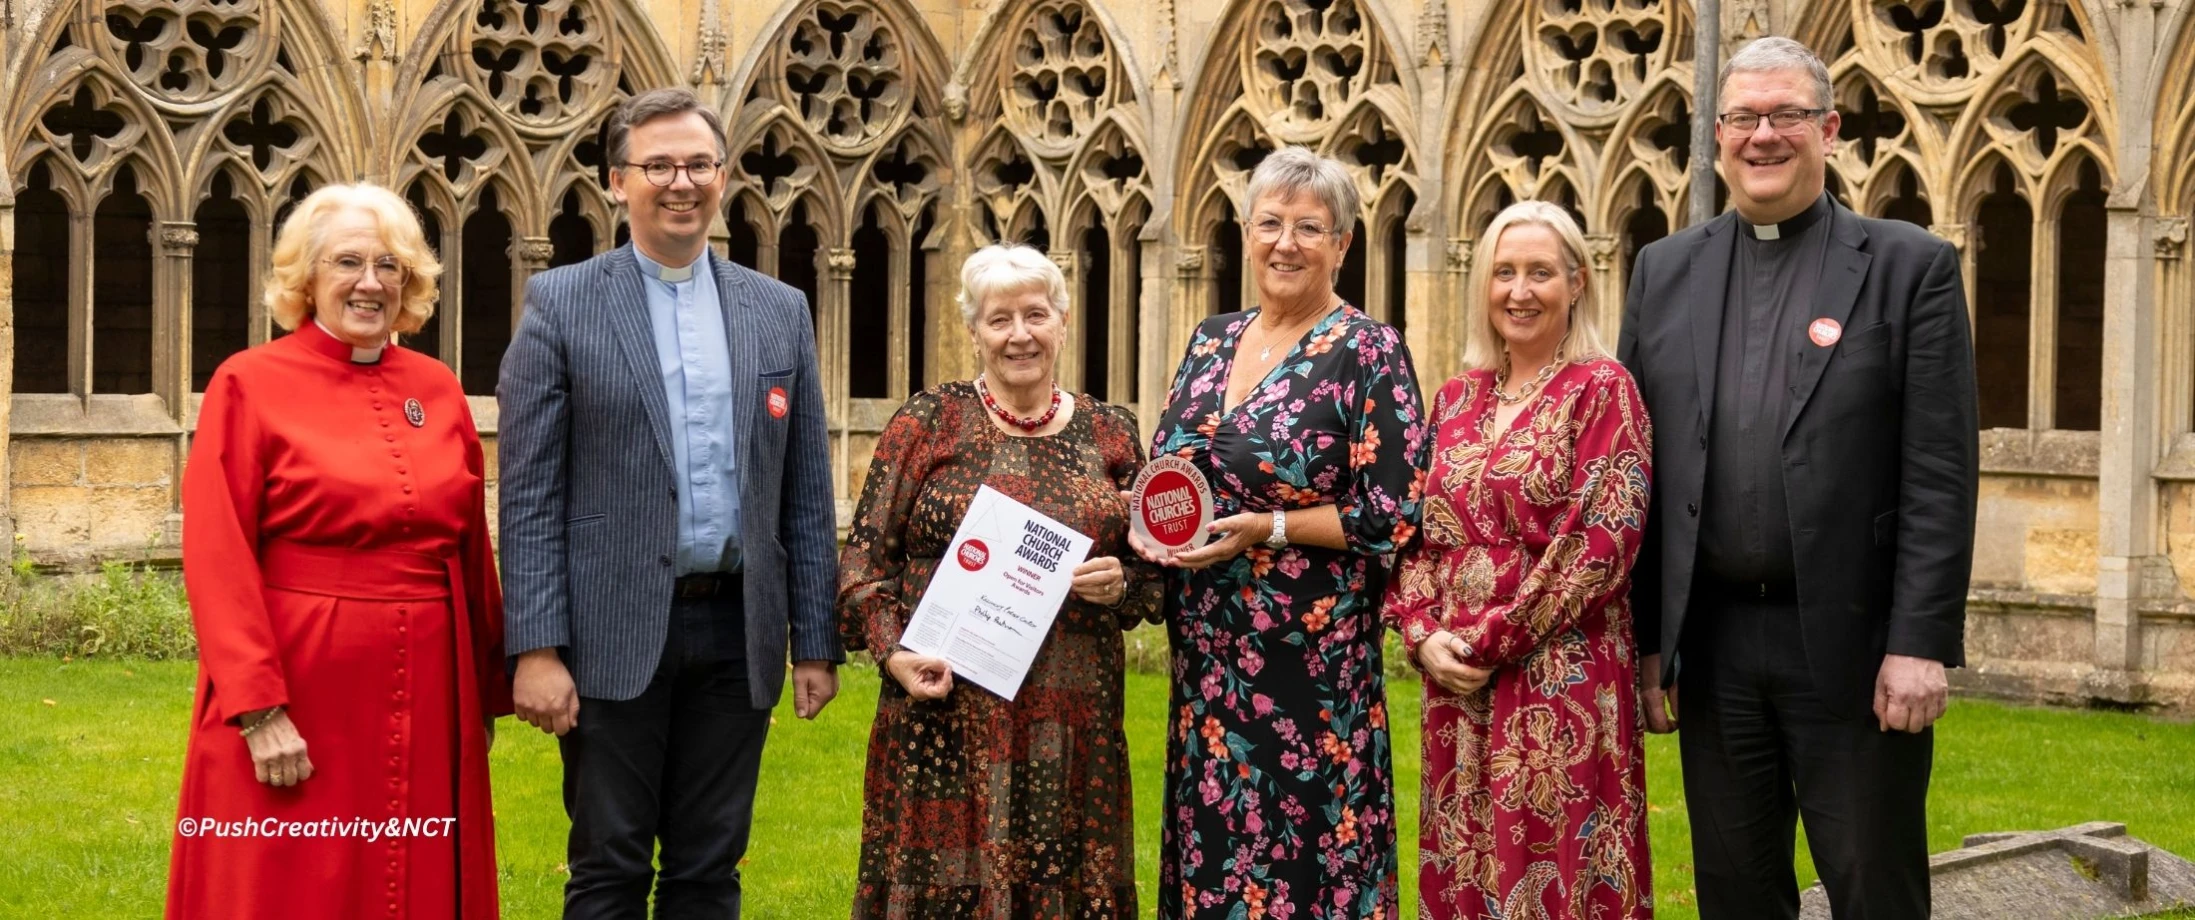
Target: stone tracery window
point(843, 66)
point(1592, 57)
point(148, 117)
point(500, 133)
point(1984, 119)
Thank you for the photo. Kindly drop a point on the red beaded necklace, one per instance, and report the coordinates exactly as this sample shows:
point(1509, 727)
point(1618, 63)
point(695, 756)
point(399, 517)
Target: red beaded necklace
point(1025, 424)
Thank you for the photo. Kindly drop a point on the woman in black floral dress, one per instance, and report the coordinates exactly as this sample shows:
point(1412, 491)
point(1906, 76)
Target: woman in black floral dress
point(975, 806)
point(1304, 415)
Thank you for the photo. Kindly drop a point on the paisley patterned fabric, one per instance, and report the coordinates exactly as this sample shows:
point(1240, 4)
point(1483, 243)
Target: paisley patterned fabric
point(1535, 785)
point(1279, 797)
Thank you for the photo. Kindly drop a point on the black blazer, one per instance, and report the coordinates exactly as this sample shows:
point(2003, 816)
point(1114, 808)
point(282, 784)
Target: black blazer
point(1881, 448)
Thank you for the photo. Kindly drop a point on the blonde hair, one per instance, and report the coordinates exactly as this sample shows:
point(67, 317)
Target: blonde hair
point(1008, 268)
point(297, 251)
point(1484, 349)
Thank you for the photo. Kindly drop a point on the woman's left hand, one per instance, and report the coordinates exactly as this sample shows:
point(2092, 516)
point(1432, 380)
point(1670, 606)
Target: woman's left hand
point(1236, 533)
point(1101, 580)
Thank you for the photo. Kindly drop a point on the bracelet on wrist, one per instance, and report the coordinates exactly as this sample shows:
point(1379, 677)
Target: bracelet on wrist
point(259, 723)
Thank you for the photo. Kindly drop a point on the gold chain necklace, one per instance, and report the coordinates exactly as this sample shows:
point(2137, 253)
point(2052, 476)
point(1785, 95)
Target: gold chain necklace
point(1501, 379)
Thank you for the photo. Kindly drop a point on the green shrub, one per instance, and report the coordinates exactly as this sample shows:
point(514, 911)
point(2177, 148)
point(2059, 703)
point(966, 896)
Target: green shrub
point(123, 611)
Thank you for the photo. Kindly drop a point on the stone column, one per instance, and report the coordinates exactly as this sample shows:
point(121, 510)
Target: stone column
point(904, 308)
point(176, 241)
point(832, 318)
point(1070, 372)
point(951, 357)
point(1120, 348)
point(2130, 566)
point(533, 255)
point(171, 359)
point(7, 368)
point(1955, 234)
point(2042, 326)
point(1154, 358)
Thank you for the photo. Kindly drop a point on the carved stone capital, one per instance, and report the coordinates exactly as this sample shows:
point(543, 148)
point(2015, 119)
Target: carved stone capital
point(1955, 234)
point(178, 237)
point(535, 251)
point(2171, 237)
point(1190, 262)
point(1602, 248)
point(1066, 262)
point(1459, 255)
point(377, 39)
point(840, 260)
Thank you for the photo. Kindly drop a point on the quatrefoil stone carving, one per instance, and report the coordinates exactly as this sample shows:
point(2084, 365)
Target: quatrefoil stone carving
point(843, 66)
point(542, 61)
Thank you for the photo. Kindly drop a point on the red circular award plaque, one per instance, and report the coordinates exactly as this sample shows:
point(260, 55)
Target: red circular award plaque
point(1173, 504)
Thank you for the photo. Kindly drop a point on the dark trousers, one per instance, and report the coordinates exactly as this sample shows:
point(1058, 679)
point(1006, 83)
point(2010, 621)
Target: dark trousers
point(677, 764)
point(1761, 749)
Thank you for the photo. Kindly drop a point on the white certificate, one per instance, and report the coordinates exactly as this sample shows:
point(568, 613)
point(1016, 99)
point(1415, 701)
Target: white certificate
point(996, 592)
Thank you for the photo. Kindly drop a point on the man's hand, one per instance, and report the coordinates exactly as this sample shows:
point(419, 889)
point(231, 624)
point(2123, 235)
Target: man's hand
point(1661, 705)
point(543, 693)
point(1441, 655)
point(814, 684)
point(1910, 693)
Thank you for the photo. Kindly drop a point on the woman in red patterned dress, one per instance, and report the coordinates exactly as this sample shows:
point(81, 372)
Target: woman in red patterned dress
point(350, 627)
point(1514, 600)
point(976, 806)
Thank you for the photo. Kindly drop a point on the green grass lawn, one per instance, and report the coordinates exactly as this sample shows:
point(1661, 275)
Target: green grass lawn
point(90, 753)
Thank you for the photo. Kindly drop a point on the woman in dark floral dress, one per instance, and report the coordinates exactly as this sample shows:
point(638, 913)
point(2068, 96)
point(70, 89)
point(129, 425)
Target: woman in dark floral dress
point(1515, 600)
point(975, 806)
point(1304, 416)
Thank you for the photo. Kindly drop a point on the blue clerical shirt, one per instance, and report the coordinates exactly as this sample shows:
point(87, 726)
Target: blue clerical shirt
point(695, 358)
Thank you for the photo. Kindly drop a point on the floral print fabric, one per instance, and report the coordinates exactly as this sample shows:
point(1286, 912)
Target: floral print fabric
point(1279, 797)
point(1534, 786)
point(974, 806)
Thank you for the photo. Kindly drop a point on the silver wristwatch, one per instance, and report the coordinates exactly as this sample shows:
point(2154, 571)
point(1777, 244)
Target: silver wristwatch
point(1279, 538)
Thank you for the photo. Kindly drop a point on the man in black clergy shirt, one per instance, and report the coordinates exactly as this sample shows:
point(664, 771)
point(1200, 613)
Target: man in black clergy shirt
point(1801, 585)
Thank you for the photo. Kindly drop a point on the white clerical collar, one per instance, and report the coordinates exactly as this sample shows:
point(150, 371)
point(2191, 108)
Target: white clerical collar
point(358, 355)
point(663, 273)
point(1793, 225)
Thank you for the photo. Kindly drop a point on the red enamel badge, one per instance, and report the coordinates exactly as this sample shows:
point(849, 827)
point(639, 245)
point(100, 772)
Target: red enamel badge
point(1825, 332)
point(779, 402)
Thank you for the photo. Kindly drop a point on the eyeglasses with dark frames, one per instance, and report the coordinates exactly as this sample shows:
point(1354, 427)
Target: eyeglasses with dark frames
point(1784, 121)
point(662, 173)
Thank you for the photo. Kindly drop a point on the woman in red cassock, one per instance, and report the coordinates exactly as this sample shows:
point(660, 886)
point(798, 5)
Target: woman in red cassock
point(1515, 600)
point(335, 547)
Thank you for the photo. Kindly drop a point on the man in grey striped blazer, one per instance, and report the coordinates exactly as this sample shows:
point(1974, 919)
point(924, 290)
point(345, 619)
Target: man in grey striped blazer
point(668, 529)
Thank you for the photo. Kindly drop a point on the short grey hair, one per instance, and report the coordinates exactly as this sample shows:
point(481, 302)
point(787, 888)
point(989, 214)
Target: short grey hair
point(649, 106)
point(1292, 170)
point(1005, 269)
point(1776, 54)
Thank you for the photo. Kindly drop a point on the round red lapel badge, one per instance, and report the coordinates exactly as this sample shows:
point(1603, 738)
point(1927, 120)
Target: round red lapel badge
point(1825, 331)
point(779, 402)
